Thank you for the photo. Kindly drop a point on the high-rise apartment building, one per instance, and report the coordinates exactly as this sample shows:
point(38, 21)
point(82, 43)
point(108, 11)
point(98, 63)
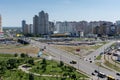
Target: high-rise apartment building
point(27, 28)
point(24, 26)
point(35, 24)
point(65, 27)
point(41, 23)
point(0, 23)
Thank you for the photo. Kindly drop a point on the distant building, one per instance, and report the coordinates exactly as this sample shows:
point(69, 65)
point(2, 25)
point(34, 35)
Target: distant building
point(117, 27)
point(117, 22)
point(82, 26)
point(105, 28)
point(41, 23)
point(65, 27)
point(24, 26)
point(35, 24)
point(1, 31)
point(51, 27)
point(118, 55)
point(27, 28)
point(1, 23)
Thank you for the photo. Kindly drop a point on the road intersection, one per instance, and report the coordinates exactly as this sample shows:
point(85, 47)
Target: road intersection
point(82, 65)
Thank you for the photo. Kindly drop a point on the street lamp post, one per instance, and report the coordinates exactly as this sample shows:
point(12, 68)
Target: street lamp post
point(99, 68)
point(78, 63)
point(60, 57)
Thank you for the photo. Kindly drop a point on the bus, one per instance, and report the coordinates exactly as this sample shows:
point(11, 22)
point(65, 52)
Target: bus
point(110, 78)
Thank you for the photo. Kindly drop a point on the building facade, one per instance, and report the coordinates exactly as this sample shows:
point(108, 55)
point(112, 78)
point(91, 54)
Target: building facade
point(24, 26)
point(0, 23)
point(41, 23)
point(35, 24)
point(27, 28)
point(65, 27)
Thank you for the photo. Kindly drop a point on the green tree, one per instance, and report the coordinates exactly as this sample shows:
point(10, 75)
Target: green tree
point(71, 69)
point(23, 55)
point(61, 63)
point(2, 67)
point(31, 76)
point(73, 76)
point(16, 55)
point(31, 61)
point(63, 78)
point(44, 67)
point(11, 63)
point(44, 61)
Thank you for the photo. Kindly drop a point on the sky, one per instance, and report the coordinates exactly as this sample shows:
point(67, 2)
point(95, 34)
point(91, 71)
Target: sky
point(14, 11)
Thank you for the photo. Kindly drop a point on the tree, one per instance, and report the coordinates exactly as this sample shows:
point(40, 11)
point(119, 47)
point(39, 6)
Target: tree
point(31, 61)
point(31, 76)
point(44, 61)
point(63, 78)
point(16, 55)
point(2, 67)
point(73, 76)
point(11, 63)
point(61, 63)
point(71, 69)
point(43, 67)
point(23, 55)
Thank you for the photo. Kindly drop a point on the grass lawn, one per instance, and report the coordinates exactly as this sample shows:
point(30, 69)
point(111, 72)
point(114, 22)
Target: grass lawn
point(112, 66)
point(98, 57)
point(6, 55)
point(84, 49)
point(54, 68)
point(19, 75)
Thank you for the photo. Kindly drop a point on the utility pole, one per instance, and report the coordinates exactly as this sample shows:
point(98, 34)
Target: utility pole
point(78, 63)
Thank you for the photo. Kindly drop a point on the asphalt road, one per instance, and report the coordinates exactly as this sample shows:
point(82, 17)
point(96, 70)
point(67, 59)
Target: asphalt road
point(82, 65)
point(92, 55)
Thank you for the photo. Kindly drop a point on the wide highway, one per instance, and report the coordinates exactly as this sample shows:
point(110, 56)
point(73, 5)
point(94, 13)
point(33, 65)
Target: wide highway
point(82, 65)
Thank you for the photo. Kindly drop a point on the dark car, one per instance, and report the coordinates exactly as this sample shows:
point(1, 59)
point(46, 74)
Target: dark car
point(93, 74)
point(118, 74)
point(95, 71)
point(44, 47)
point(90, 61)
point(73, 62)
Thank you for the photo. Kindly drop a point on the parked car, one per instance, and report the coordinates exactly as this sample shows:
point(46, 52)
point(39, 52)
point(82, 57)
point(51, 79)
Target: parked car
point(73, 62)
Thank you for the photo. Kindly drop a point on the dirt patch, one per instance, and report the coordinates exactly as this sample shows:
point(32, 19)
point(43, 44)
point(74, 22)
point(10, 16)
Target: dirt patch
point(22, 49)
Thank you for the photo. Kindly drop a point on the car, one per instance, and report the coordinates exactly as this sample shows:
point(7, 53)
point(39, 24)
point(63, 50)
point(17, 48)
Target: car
point(95, 71)
point(93, 74)
point(90, 61)
point(118, 74)
point(101, 75)
point(73, 62)
point(44, 47)
point(109, 53)
point(89, 58)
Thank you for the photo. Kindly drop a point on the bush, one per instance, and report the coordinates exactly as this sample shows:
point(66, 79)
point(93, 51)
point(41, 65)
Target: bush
point(61, 63)
point(44, 61)
point(31, 61)
point(16, 55)
point(31, 77)
point(23, 55)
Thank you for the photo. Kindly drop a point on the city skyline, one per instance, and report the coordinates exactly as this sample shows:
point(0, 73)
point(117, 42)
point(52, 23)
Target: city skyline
point(14, 11)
